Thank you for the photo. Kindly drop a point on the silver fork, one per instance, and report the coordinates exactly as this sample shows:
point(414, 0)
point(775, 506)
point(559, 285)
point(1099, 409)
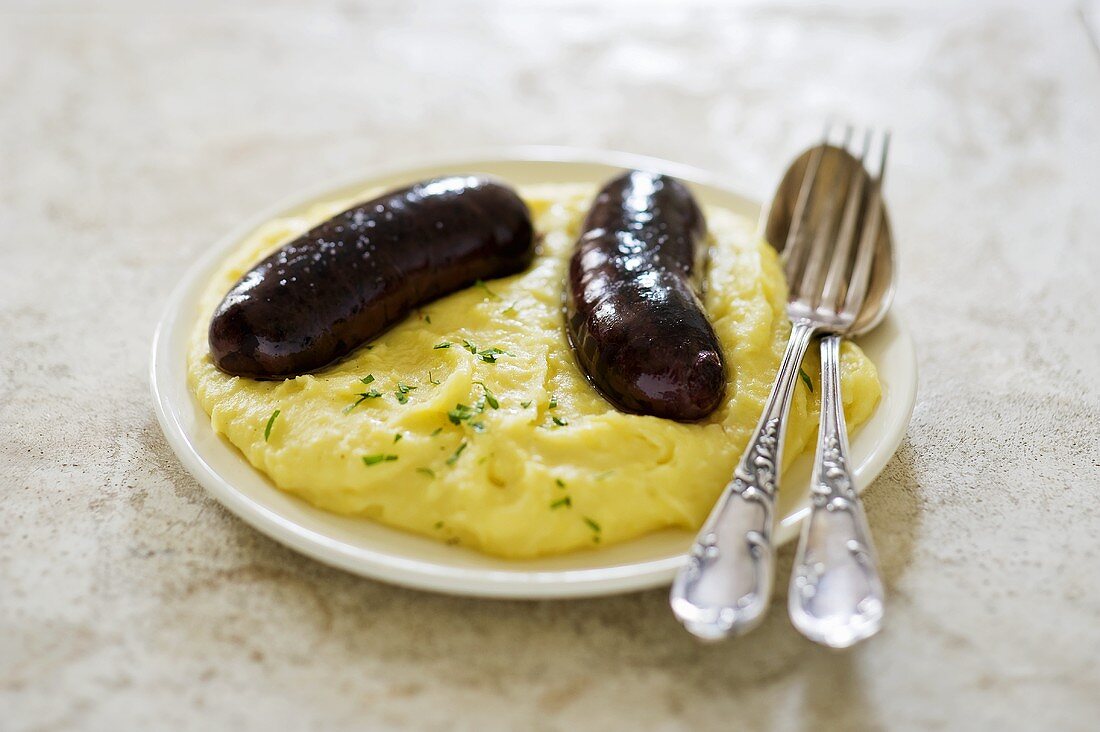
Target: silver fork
point(725, 586)
point(836, 596)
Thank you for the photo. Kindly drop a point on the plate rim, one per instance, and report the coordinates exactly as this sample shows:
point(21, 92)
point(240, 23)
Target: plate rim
point(425, 575)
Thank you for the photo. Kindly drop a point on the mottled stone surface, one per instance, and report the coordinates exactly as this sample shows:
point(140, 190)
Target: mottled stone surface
point(134, 134)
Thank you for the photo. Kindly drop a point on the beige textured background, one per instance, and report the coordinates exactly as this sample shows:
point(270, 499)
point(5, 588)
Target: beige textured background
point(132, 135)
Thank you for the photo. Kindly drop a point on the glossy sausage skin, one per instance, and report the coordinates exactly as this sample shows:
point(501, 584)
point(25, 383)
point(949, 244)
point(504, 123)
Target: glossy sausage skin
point(633, 310)
point(348, 279)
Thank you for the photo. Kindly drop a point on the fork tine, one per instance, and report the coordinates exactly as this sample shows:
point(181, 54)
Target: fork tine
point(795, 249)
point(836, 279)
point(824, 239)
point(868, 242)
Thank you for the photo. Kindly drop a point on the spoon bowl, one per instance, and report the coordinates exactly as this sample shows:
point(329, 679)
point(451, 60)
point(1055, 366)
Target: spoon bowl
point(834, 161)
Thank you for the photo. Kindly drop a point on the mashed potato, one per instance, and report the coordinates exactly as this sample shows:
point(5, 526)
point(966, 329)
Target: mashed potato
point(470, 422)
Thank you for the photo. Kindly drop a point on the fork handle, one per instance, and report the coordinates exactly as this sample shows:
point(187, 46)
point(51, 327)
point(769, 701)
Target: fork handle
point(836, 596)
point(725, 586)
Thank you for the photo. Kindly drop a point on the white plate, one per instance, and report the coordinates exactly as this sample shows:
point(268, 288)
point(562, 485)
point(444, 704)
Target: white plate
point(373, 550)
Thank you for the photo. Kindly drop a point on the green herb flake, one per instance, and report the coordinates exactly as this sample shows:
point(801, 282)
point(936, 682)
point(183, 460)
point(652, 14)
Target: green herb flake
point(436, 431)
point(469, 346)
point(402, 392)
point(592, 524)
point(444, 344)
point(461, 413)
point(427, 319)
point(489, 355)
point(559, 482)
point(454, 458)
point(526, 404)
point(432, 380)
point(397, 438)
point(560, 422)
point(553, 402)
point(567, 502)
point(510, 310)
point(806, 379)
point(270, 421)
point(489, 396)
point(477, 426)
point(485, 287)
point(431, 474)
point(369, 460)
point(364, 395)
point(438, 524)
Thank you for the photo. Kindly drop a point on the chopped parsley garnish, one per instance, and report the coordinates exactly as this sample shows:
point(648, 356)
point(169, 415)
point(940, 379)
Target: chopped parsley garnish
point(397, 437)
point(559, 482)
point(595, 529)
point(489, 397)
point(364, 395)
point(431, 380)
point(379, 458)
point(431, 474)
point(436, 431)
point(560, 422)
point(553, 402)
point(372, 394)
point(438, 524)
point(485, 287)
point(489, 355)
point(525, 404)
point(567, 502)
point(465, 413)
point(444, 344)
point(271, 420)
point(806, 379)
point(427, 318)
point(454, 458)
point(461, 413)
point(402, 392)
point(510, 310)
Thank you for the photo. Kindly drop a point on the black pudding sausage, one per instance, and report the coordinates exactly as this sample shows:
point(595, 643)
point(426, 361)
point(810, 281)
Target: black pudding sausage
point(632, 305)
point(345, 281)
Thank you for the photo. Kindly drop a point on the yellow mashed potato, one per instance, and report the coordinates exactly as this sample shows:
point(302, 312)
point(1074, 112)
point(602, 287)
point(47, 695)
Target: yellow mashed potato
point(538, 463)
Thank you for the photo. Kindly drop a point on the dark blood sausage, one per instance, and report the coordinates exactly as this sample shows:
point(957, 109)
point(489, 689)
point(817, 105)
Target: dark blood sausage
point(348, 279)
point(632, 306)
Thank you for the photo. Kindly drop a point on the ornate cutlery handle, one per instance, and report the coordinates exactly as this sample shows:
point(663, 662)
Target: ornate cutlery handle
point(725, 586)
point(836, 595)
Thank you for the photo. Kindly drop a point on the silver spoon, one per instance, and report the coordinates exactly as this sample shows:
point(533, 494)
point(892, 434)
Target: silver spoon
point(836, 595)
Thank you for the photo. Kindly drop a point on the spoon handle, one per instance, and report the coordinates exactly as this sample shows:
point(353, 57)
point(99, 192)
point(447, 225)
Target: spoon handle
point(836, 596)
point(725, 586)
